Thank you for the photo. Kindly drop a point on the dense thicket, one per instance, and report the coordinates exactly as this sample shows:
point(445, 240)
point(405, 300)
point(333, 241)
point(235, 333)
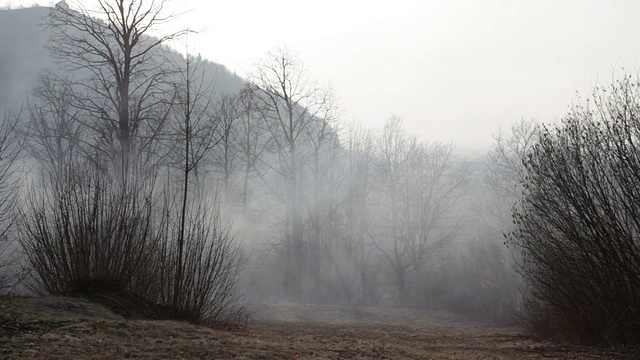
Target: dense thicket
point(578, 222)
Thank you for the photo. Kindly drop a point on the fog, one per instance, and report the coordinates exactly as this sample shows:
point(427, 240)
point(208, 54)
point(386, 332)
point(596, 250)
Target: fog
point(454, 70)
point(359, 154)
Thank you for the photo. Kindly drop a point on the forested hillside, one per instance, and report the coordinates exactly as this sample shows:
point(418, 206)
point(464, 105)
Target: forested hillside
point(23, 57)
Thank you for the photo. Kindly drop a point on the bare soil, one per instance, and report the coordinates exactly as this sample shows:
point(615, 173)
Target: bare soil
point(65, 328)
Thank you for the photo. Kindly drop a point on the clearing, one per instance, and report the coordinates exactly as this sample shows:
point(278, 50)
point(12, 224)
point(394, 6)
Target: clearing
point(70, 328)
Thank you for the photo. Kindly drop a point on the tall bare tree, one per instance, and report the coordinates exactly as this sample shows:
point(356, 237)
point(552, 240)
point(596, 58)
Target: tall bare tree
point(395, 150)
point(196, 135)
point(431, 188)
point(226, 154)
point(322, 137)
point(338, 201)
point(356, 212)
point(120, 77)
point(290, 105)
point(10, 149)
point(418, 184)
point(251, 139)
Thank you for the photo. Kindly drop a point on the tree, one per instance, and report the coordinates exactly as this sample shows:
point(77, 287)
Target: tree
point(200, 262)
point(226, 153)
point(505, 170)
point(353, 257)
point(54, 135)
point(119, 78)
point(432, 186)
point(290, 106)
point(418, 185)
point(395, 149)
point(10, 151)
point(251, 139)
point(322, 198)
point(196, 136)
point(489, 268)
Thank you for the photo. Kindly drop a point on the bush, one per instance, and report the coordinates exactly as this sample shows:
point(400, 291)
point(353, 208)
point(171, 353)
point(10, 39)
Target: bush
point(578, 223)
point(89, 226)
point(204, 290)
point(114, 240)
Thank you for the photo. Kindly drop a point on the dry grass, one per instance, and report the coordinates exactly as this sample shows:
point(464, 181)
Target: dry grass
point(63, 328)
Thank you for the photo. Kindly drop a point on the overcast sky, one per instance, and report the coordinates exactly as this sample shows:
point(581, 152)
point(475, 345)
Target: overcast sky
point(454, 70)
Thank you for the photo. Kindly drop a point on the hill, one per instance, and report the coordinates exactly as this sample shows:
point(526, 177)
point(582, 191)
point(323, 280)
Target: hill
point(23, 57)
point(22, 54)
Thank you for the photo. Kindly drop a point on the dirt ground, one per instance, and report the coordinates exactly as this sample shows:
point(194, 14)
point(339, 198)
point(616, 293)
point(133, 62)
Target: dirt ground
point(63, 328)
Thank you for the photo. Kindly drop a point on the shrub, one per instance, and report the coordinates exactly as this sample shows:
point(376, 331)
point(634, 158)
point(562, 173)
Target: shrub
point(114, 240)
point(89, 226)
point(578, 223)
point(211, 262)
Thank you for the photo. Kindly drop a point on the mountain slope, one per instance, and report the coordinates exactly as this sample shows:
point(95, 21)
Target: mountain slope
point(22, 54)
point(23, 57)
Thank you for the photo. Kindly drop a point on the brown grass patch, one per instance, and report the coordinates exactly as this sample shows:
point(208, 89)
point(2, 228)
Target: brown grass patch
point(63, 328)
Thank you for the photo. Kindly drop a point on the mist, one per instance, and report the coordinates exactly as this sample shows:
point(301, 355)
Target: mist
point(405, 159)
point(329, 211)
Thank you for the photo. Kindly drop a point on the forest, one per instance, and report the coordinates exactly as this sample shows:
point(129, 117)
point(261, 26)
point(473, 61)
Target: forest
point(142, 175)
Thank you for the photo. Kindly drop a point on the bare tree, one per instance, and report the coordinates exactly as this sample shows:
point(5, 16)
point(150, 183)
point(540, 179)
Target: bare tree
point(354, 261)
point(290, 105)
point(196, 135)
point(200, 262)
point(322, 199)
point(505, 171)
point(490, 267)
point(226, 153)
point(54, 134)
point(394, 151)
point(418, 186)
point(10, 148)
point(119, 73)
point(432, 187)
point(251, 139)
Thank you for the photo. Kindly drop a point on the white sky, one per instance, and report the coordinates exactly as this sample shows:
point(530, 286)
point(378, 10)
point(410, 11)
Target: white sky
point(454, 70)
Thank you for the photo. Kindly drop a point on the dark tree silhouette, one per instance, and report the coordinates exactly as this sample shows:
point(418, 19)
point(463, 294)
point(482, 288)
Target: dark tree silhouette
point(120, 78)
point(10, 152)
